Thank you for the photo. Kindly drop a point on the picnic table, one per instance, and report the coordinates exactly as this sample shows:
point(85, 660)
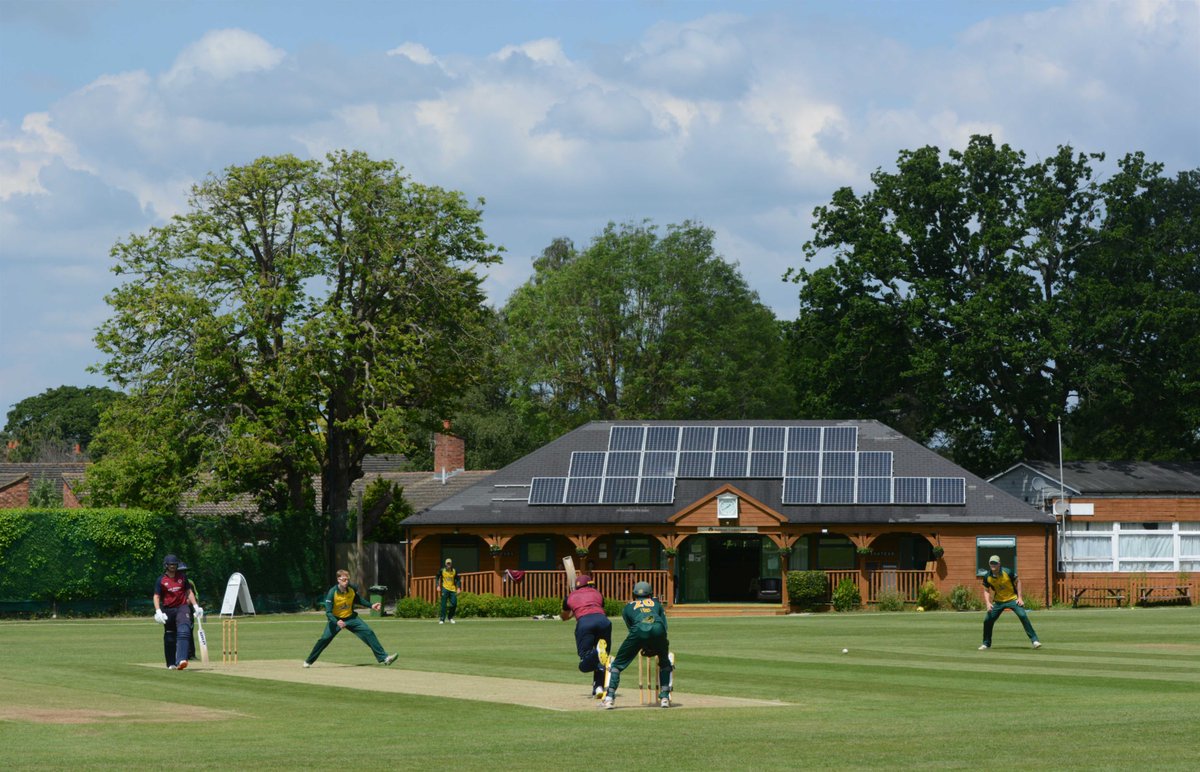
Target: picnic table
point(1181, 592)
point(1098, 593)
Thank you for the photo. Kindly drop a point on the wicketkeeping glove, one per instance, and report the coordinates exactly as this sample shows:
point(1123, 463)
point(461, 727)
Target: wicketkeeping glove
point(199, 611)
point(160, 616)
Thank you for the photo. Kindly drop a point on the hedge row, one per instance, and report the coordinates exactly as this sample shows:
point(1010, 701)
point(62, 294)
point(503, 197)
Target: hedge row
point(487, 605)
point(74, 555)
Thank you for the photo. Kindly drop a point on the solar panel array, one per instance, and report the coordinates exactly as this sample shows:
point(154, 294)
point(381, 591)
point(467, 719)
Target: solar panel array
point(818, 465)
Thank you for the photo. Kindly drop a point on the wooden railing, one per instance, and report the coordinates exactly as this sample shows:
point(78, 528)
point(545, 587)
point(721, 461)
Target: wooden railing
point(547, 584)
point(1128, 589)
point(538, 584)
point(907, 583)
point(425, 587)
point(619, 584)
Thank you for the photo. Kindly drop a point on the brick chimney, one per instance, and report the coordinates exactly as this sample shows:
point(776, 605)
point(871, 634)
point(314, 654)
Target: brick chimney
point(449, 452)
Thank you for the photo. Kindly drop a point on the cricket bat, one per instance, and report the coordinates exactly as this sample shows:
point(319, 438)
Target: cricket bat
point(569, 565)
point(203, 641)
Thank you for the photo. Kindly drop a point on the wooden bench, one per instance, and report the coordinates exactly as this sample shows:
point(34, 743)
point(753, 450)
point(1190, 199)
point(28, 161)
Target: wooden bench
point(1172, 593)
point(1097, 593)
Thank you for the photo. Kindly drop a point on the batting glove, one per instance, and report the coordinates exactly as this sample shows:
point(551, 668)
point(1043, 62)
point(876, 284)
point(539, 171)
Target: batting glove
point(160, 616)
point(199, 611)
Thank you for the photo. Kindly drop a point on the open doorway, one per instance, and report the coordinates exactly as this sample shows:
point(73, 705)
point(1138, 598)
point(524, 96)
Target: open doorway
point(734, 565)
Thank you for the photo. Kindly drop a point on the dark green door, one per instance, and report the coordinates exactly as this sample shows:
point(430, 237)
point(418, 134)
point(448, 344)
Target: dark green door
point(694, 570)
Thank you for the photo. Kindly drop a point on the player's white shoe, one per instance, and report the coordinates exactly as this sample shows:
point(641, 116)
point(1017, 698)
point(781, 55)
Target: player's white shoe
point(453, 622)
point(1037, 644)
point(182, 664)
point(598, 693)
point(666, 702)
point(984, 647)
point(390, 659)
point(607, 703)
point(307, 663)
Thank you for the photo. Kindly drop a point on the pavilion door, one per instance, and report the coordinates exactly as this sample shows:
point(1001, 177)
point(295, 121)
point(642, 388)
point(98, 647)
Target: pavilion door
point(694, 571)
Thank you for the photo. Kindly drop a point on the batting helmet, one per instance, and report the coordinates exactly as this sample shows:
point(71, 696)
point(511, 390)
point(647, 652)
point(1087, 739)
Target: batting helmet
point(583, 580)
point(642, 590)
point(170, 560)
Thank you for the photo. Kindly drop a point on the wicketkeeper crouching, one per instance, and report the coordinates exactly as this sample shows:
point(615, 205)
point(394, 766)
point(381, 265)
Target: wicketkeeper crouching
point(647, 623)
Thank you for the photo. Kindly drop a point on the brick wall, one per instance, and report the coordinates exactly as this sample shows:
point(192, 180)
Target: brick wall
point(15, 494)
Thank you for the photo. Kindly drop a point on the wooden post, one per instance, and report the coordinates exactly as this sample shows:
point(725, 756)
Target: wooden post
point(670, 580)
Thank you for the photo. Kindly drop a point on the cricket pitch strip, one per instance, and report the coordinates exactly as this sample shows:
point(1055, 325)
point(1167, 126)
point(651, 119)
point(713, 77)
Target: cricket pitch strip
point(533, 694)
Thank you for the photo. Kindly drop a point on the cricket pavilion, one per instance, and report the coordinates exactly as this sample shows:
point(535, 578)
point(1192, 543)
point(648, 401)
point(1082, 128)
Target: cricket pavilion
point(716, 512)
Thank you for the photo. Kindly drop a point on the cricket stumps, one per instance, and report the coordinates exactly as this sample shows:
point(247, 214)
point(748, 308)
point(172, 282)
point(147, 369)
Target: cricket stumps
point(229, 641)
point(648, 680)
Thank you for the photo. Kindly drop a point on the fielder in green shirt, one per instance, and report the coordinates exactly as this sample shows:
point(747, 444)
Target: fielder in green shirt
point(647, 623)
point(1002, 590)
point(339, 611)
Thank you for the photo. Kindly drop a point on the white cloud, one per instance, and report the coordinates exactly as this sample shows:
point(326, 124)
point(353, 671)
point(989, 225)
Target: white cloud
point(595, 113)
point(742, 122)
point(23, 155)
point(547, 52)
point(223, 54)
point(415, 52)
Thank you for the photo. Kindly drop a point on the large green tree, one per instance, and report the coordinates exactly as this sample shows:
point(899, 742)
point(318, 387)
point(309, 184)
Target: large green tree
point(292, 321)
point(972, 302)
point(46, 427)
point(642, 325)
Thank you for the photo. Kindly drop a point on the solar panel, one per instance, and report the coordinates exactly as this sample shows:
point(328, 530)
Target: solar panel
point(623, 464)
point(804, 438)
point(662, 438)
point(626, 437)
point(733, 438)
point(547, 490)
point(659, 464)
point(805, 464)
point(695, 465)
point(769, 438)
point(910, 490)
point(875, 463)
point(697, 438)
point(837, 490)
point(817, 465)
point(583, 490)
point(657, 490)
point(874, 490)
point(947, 490)
point(586, 464)
point(766, 464)
point(837, 464)
point(840, 438)
point(800, 490)
point(620, 490)
point(731, 464)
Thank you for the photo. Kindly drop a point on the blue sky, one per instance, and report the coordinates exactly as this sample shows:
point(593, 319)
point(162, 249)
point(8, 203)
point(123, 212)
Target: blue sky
point(564, 116)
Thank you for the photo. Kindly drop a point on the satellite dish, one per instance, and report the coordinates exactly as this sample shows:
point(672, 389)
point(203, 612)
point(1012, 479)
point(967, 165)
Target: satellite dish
point(1062, 507)
point(1038, 483)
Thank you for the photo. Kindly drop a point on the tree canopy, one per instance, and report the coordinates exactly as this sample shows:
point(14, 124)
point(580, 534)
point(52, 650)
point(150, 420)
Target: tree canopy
point(293, 320)
point(46, 427)
point(974, 301)
point(641, 325)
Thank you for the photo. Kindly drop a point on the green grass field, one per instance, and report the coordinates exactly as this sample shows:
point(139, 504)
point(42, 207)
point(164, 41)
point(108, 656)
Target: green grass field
point(1111, 689)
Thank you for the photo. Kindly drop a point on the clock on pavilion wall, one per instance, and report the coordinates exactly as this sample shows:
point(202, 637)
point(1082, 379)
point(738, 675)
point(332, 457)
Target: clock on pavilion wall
point(727, 507)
